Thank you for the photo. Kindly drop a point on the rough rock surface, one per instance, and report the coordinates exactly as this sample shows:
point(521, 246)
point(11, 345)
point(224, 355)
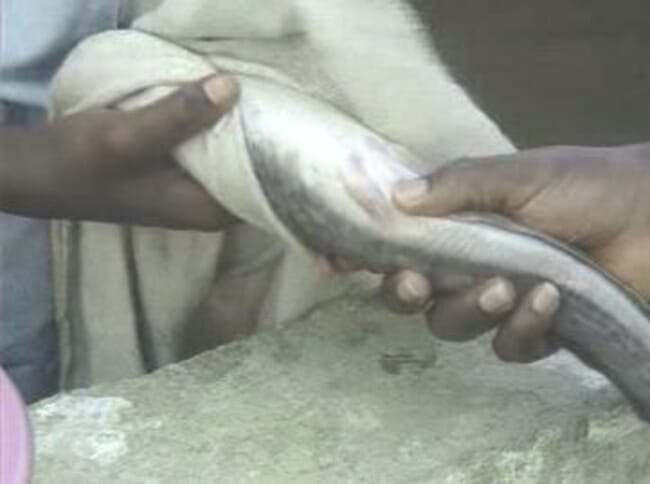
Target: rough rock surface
point(352, 394)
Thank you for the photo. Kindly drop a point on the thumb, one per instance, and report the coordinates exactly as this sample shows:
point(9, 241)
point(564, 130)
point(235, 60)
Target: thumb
point(478, 184)
point(158, 128)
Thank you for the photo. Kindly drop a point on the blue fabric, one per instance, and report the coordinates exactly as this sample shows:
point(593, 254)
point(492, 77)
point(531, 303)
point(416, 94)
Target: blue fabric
point(35, 36)
point(28, 342)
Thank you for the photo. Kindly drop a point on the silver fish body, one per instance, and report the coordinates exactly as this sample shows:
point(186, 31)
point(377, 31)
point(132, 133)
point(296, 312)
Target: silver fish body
point(328, 180)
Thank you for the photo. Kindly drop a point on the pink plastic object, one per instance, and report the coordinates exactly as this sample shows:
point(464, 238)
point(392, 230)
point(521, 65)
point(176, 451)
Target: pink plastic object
point(15, 441)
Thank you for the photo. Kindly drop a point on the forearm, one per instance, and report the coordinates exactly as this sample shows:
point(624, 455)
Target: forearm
point(24, 153)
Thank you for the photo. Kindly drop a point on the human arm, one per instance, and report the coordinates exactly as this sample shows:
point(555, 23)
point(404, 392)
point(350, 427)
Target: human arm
point(113, 166)
point(596, 199)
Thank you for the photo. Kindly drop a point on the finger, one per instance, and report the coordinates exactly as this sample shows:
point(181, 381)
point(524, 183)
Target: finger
point(486, 184)
point(192, 206)
point(154, 130)
point(173, 200)
point(406, 292)
point(525, 336)
point(467, 315)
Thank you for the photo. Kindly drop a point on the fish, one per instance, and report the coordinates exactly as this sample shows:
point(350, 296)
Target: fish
point(328, 179)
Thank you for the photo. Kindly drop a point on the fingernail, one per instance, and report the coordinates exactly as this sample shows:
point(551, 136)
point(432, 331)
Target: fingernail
point(412, 290)
point(221, 88)
point(411, 192)
point(498, 298)
point(546, 299)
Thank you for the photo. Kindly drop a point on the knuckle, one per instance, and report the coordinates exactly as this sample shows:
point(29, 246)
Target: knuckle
point(89, 135)
point(116, 138)
point(443, 175)
point(191, 102)
point(184, 112)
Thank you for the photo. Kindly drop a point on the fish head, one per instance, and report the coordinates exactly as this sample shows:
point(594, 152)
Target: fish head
point(370, 172)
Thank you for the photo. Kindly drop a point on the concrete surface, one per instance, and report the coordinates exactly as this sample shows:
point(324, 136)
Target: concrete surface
point(353, 394)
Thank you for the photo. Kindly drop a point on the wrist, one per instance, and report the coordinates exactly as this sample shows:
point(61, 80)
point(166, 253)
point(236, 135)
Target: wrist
point(25, 165)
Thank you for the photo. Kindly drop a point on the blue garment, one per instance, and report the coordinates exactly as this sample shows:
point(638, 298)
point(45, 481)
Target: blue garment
point(35, 36)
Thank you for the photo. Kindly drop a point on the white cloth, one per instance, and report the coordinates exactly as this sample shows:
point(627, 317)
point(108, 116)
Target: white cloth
point(128, 298)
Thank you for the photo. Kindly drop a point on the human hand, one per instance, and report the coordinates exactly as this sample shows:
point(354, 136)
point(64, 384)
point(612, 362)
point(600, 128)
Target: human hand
point(113, 166)
point(594, 198)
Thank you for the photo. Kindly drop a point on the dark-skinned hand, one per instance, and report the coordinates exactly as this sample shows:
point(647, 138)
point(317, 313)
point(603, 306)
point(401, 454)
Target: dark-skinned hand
point(113, 166)
point(597, 199)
